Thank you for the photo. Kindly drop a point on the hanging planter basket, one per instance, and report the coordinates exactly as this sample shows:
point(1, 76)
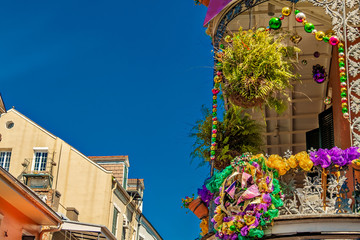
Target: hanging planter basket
point(199, 208)
point(257, 68)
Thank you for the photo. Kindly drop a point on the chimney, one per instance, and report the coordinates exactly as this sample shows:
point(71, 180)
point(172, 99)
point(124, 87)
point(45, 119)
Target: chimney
point(72, 213)
point(56, 200)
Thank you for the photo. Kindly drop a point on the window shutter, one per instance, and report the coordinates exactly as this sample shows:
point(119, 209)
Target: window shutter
point(326, 128)
point(313, 139)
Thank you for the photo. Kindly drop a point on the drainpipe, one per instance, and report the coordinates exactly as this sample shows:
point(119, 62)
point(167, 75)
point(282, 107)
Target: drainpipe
point(138, 227)
point(58, 228)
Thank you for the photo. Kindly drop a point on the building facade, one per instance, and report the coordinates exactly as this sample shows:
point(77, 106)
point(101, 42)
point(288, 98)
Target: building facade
point(23, 215)
point(79, 188)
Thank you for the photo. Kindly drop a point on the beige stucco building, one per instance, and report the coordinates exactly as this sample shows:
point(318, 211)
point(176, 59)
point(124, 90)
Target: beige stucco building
point(92, 190)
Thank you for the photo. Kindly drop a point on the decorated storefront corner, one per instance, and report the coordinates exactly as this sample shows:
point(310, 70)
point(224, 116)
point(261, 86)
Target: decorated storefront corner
point(292, 66)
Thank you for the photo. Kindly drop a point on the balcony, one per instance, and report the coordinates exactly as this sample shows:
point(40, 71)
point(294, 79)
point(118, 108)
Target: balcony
point(38, 179)
point(135, 188)
point(307, 202)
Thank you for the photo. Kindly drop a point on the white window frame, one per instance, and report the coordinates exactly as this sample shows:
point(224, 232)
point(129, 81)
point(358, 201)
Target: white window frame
point(40, 150)
point(117, 219)
point(7, 157)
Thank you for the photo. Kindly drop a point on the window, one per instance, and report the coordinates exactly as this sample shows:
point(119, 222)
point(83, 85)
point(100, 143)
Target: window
point(9, 124)
point(125, 177)
point(115, 221)
point(5, 160)
point(40, 161)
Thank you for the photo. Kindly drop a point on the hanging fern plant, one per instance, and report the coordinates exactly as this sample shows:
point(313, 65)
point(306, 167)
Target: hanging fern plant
point(258, 69)
point(237, 133)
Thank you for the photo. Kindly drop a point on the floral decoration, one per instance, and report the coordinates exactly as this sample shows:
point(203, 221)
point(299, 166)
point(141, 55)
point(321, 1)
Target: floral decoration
point(247, 193)
point(186, 201)
point(204, 226)
point(248, 199)
point(334, 156)
point(205, 195)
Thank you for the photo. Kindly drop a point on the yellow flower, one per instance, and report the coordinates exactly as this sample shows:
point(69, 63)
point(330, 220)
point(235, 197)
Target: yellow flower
point(249, 219)
point(304, 161)
point(292, 161)
point(218, 210)
point(204, 226)
point(219, 217)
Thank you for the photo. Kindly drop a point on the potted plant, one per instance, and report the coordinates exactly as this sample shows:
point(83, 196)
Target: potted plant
point(257, 68)
point(197, 206)
point(236, 133)
point(203, 2)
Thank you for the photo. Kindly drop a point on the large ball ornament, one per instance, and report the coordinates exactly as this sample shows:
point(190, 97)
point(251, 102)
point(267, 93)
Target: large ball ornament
point(327, 100)
point(300, 17)
point(319, 35)
point(326, 38)
point(334, 40)
point(286, 11)
point(309, 27)
point(275, 23)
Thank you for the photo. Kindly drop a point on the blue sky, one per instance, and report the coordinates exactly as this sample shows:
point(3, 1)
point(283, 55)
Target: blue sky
point(116, 78)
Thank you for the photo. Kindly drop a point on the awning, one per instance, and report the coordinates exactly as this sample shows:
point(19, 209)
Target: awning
point(86, 231)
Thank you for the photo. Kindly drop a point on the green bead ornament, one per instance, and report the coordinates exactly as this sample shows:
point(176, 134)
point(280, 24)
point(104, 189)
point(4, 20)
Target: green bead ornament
point(232, 228)
point(213, 153)
point(341, 49)
point(341, 64)
point(216, 85)
point(214, 101)
point(222, 46)
point(343, 79)
point(297, 11)
point(275, 23)
point(343, 94)
point(213, 139)
point(344, 110)
point(214, 127)
point(309, 27)
point(326, 39)
point(214, 114)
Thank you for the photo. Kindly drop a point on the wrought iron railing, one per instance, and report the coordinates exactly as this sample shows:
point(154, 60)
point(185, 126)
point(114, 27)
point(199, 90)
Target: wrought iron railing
point(29, 167)
point(319, 192)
